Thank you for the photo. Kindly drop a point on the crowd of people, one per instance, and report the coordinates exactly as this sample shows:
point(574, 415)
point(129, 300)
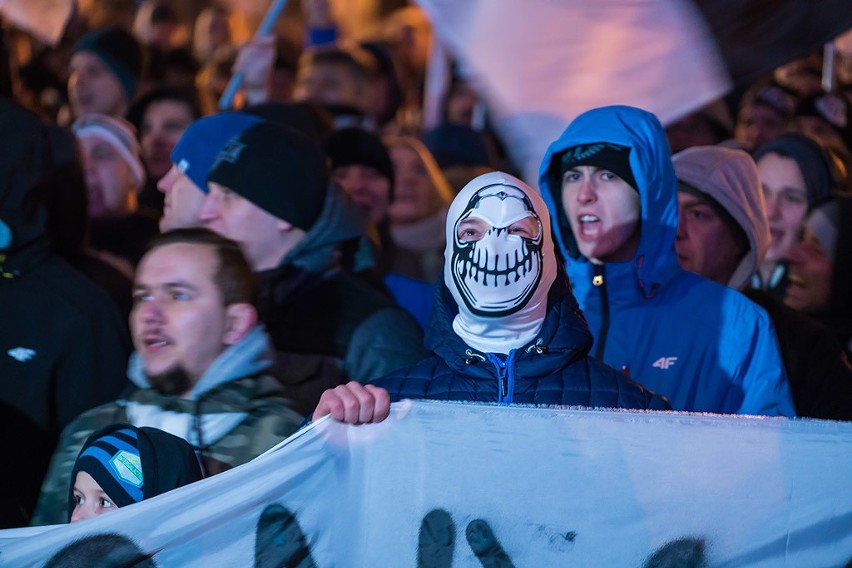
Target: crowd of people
point(186, 286)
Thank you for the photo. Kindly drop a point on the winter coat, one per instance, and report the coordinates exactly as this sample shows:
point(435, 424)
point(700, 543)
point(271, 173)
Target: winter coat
point(314, 303)
point(63, 344)
point(705, 347)
point(555, 369)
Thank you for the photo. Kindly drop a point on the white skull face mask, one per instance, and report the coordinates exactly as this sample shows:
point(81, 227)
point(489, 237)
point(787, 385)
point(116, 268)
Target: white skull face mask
point(497, 251)
point(499, 260)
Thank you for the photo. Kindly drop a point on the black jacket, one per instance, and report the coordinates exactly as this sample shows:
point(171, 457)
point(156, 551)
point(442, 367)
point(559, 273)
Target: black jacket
point(63, 344)
point(555, 369)
point(315, 305)
point(817, 366)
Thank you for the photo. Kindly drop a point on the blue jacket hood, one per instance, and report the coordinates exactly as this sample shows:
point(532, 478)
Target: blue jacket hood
point(655, 261)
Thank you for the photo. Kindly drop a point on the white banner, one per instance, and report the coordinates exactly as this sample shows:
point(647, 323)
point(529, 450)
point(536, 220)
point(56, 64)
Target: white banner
point(45, 19)
point(553, 487)
point(540, 63)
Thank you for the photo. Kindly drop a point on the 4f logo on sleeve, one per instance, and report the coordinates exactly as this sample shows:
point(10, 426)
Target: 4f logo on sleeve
point(664, 362)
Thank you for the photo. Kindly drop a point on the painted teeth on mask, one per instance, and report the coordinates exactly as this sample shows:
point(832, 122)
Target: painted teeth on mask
point(479, 267)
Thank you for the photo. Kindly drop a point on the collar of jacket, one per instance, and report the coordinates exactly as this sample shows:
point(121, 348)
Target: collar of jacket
point(564, 337)
point(250, 356)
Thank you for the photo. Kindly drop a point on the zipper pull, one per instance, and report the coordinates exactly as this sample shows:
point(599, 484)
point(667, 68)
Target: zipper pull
point(598, 278)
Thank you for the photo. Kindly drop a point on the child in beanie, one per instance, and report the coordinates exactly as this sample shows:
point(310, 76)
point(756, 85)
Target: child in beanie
point(121, 464)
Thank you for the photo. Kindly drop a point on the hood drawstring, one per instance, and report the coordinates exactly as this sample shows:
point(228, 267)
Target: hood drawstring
point(3, 272)
point(539, 347)
point(654, 287)
point(201, 447)
point(471, 358)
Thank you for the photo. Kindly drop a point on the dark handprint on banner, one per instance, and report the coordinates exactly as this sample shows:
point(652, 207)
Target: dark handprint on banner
point(438, 536)
point(106, 550)
point(280, 541)
point(680, 553)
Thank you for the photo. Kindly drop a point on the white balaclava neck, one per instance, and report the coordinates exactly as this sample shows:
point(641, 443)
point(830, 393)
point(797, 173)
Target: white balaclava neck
point(501, 281)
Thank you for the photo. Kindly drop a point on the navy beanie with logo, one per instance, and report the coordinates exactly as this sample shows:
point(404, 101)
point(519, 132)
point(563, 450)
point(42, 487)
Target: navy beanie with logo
point(132, 464)
point(611, 157)
point(201, 142)
point(277, 168)
point(119, 50)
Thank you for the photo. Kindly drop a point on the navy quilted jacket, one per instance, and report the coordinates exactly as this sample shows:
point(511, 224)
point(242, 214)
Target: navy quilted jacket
point(553, 370)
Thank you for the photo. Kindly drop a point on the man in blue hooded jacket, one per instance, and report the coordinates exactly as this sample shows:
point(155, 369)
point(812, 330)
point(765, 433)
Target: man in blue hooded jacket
point(505, 327)
point(609, 183)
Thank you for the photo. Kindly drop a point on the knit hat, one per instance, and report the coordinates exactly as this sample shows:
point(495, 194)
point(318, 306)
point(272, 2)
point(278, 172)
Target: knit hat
point(278, 169)
point(727, 180)
point(119, 134)
point(201, 142)
point(132, 464)
point(611, 157)
point(814, 163)
point(356, 146)
point(119, 51)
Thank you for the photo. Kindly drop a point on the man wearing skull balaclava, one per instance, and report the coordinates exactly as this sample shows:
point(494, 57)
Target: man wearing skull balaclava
point(505, 327)
point(499, 259)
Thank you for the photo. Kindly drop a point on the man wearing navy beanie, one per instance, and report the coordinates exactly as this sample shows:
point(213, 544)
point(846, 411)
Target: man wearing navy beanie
point(185, 184)
point(270, 192)
point(105, 69)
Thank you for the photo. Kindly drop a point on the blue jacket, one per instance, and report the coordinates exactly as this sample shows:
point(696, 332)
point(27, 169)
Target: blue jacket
point(704, 346)
point(555, 369)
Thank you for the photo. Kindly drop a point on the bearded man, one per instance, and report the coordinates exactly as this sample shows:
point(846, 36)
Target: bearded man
point(201, 364)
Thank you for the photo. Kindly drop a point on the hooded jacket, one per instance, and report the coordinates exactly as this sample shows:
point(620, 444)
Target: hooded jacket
point(704, 346)
point(730, 177)
point(817, 368)
point(315, 304)
point(231, 415)
point(63, 344)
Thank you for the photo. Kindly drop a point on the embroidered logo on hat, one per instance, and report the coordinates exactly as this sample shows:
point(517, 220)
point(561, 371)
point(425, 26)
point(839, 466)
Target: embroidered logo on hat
point(583, 152)
point(128, 467)
point(231, 152)
point(183, 165)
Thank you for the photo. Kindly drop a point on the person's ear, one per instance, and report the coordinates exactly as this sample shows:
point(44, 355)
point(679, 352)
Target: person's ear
point(240, 319)
point(284, 226)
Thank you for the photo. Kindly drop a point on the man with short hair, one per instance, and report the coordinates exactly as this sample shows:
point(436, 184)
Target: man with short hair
point(337, 79)
point(200, 364)
point(161, 117)
point(185, 184)
point(270, 192)
point(609, 182)
point(723, 234)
